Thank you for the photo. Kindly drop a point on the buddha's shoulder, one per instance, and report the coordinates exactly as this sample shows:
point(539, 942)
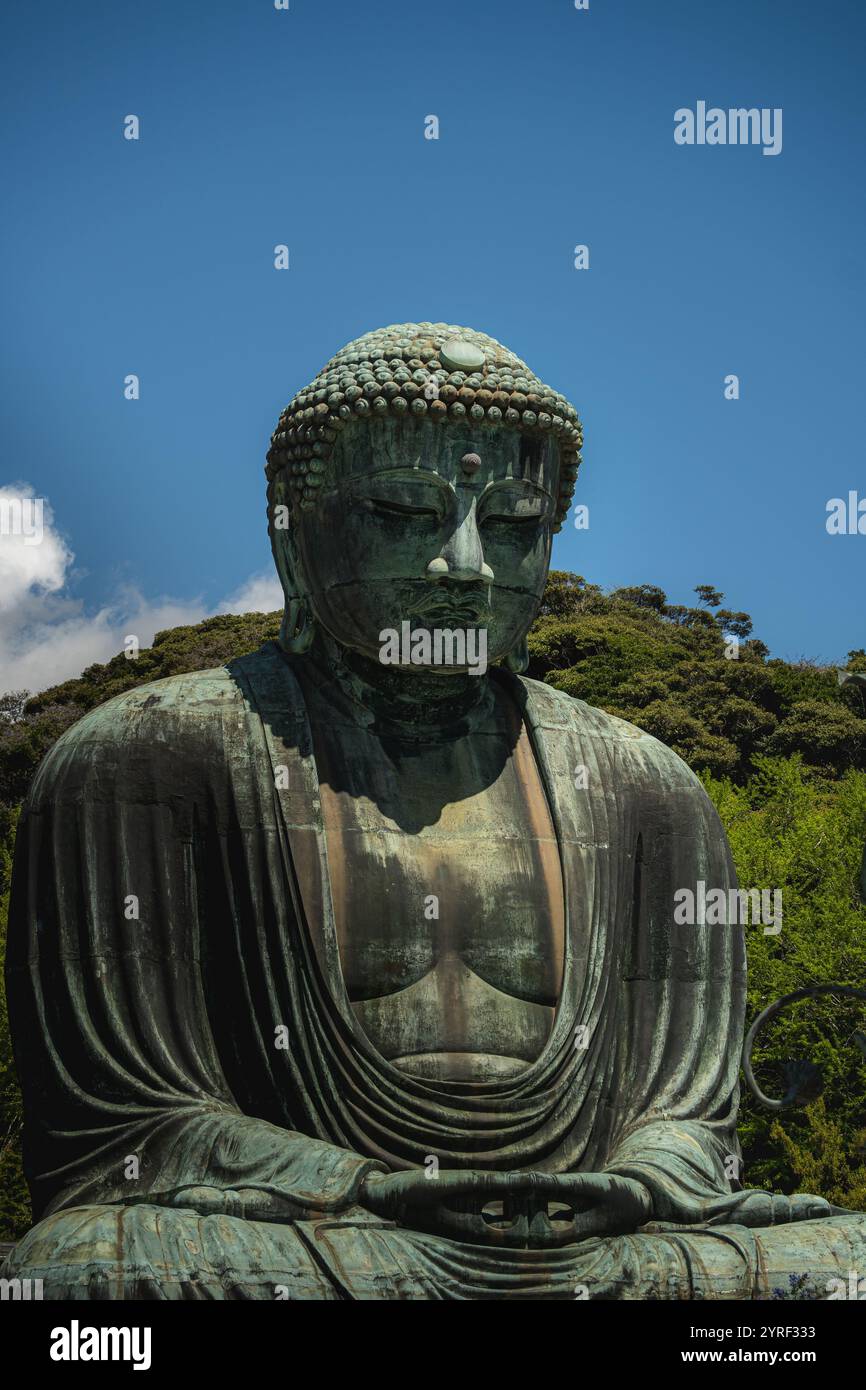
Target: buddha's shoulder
point(553, 709)
point(180, 719)
point(190, 697)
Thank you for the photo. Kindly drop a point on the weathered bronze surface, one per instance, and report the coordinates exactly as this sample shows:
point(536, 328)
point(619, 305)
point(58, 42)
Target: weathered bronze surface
point(331, 978)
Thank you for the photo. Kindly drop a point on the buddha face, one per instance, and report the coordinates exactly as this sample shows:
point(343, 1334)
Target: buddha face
point(442, 525)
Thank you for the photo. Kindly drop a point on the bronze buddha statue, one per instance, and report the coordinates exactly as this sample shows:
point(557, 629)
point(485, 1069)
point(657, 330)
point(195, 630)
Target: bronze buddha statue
point(403, 1010)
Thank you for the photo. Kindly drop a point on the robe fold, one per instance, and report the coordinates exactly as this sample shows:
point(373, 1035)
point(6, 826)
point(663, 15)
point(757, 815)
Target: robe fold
point(188, 1051)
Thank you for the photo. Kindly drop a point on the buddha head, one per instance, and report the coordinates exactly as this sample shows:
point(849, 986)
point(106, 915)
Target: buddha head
point(419, 478)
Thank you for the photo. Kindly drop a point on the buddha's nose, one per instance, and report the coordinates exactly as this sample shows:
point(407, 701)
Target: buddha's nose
point(462, 557)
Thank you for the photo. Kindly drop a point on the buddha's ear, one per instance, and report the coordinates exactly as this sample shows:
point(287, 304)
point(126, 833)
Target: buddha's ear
point(298, 627)
point(517, 659)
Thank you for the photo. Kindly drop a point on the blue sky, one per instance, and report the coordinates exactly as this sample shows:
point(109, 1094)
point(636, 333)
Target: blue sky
point(306, 127)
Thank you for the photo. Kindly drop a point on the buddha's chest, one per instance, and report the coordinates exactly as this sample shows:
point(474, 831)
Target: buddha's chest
point(479, 887)
point(448, 905)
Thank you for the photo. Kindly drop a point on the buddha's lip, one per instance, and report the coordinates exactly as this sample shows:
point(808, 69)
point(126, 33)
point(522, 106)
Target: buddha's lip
point(467, 606)
point(460, 612)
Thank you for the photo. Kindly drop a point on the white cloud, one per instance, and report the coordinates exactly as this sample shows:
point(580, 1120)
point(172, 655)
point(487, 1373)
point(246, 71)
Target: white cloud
point(260, 594)
point(47, 636)
point(34, 559)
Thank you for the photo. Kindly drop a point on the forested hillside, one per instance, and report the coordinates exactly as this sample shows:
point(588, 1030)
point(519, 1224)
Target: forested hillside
point(782, 750)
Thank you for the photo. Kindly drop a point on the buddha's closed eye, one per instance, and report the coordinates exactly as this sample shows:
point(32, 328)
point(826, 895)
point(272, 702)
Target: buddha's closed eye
point(390, 507)
point(526, 512)
point(512, 518)
point(509, 505)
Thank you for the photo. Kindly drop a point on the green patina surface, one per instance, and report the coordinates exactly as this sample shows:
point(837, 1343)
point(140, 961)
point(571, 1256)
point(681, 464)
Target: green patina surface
point(333, 978)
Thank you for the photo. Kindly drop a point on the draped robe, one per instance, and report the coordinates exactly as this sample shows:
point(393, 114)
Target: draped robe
point(201, 1105)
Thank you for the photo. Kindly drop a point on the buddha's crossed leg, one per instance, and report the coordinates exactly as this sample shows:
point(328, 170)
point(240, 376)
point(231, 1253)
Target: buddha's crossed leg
point(150, 1252)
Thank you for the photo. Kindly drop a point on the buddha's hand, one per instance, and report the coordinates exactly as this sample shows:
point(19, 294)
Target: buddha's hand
point(749, 1208)
point(527, 1210)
